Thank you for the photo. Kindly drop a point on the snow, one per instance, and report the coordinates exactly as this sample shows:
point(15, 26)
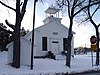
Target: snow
point(79, 63)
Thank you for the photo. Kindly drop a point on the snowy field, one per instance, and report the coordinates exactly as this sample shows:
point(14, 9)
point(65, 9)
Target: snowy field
point(79, 63)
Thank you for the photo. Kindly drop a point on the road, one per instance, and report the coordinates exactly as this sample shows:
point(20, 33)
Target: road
point(96, 73)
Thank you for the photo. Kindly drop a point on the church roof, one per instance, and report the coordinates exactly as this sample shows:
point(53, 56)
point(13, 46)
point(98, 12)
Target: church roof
point(51, 10)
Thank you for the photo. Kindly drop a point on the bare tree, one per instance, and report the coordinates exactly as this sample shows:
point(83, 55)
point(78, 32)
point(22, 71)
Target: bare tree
point(16, 35)
point(73, 7)
point(96, 26)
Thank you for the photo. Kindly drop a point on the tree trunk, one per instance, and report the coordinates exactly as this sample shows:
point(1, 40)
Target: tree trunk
point(68, 56)
point(16, 50)
point(97, 51)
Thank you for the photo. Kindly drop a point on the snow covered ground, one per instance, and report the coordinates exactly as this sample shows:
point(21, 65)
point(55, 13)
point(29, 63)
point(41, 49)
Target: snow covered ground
point(79, 63)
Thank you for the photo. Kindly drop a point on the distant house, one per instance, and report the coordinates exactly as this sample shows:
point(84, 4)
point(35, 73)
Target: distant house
point(52, 36)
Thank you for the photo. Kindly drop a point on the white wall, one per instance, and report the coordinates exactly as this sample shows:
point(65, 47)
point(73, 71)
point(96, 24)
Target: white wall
point(25, 57)
point(47, 31)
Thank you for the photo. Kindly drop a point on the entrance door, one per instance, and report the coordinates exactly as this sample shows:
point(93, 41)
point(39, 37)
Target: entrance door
point(55, 47)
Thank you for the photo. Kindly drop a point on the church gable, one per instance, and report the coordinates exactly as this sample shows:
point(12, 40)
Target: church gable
point(53, 28)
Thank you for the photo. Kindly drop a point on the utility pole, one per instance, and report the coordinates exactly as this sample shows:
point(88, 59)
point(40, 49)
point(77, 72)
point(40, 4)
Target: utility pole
point(32, 47)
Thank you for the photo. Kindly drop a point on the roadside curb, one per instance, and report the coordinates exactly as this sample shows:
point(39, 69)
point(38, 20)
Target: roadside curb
point(85, 72)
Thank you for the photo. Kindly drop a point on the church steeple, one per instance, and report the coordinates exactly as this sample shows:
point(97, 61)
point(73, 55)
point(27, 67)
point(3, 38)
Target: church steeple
point(52, 11)
point(52, 14)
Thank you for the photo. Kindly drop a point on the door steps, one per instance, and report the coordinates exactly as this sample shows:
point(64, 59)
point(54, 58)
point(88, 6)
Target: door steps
point(60, 57)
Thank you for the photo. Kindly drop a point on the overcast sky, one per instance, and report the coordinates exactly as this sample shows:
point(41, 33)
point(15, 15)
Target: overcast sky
point(83, 32)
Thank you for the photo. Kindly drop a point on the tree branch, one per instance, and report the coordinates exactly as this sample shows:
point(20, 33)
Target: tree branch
point(73, 8)
point(90, 17)
point(99, 25)
point(86, 7)
point(68, 8)
point(84, 21)
point(8, 6)
point(79, 3)
point(10, 25)
point(96, 10)
point(23, 10)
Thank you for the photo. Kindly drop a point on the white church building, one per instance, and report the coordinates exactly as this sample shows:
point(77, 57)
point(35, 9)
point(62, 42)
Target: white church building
point(52, 36)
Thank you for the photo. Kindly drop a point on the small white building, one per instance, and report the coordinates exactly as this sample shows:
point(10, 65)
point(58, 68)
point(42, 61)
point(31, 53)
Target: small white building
point(25, 56)
point(52, 36)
